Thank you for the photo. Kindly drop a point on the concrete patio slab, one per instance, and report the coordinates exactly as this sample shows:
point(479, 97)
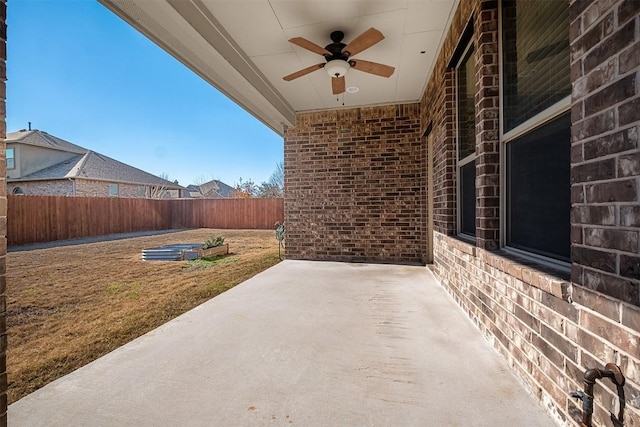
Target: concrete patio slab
point(303, 343)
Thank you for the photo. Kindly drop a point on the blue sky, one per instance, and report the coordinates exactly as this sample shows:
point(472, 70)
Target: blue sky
point(77, 71)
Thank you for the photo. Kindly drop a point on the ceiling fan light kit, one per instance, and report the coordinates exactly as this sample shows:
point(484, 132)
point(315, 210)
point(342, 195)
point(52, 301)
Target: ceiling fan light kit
point(337, 56)
point(337, 67)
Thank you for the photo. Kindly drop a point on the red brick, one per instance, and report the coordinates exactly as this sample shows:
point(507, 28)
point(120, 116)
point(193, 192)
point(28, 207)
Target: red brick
point(624, 140)
point(604, 305)
point(616, 42)
point(614, 191)
point(627, 10)
point(609, 95)
point(618, 287)
point(629, 112)
point(629, 59)
point(629, 165)
point(612, 239)
point(618, 336)
point(600, 260)
point(631, 319)
point(630, 216)
point(593, 171)
point(630, 267)
point(596, 215)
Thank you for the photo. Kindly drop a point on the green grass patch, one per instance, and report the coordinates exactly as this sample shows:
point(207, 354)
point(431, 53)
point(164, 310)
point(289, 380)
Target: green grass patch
point(208, 262)
point(114, 288)
point(130, 290)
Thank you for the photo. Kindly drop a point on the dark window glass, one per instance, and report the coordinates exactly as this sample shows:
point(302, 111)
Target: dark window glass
point(466, 106)
point(468, 198)
point(538, 186)
point(535, 54)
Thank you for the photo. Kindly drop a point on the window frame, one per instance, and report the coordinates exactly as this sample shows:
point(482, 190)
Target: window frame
point(545, 116)
point(460, 163)
point(117, 187)
point(13, 157)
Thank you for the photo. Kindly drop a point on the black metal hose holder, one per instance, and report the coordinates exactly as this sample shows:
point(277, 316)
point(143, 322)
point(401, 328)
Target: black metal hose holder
point(279, 236)
point(611, 371)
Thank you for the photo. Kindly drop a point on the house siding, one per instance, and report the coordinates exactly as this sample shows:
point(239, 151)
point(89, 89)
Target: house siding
point(29, 159)
point(355, 185)
point(548, 324)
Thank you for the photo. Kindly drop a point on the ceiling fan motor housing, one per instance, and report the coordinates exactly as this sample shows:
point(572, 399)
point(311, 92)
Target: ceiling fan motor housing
point(336, 47)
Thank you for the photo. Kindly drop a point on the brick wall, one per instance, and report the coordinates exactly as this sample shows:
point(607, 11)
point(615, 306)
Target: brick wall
point(355, 185)
point(487, 100)
point(605, 155)
point(551, 325)
point(3, 215)
point(89, 188)
point(548, 330)
point(50, 188)
point(83, 188)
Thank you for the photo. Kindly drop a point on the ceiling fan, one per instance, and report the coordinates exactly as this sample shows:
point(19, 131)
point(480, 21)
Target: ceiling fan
point(338, 58)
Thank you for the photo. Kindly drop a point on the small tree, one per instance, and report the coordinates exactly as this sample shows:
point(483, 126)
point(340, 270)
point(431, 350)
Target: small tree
point(156, 192)
point(274, 187)
point(246, 189)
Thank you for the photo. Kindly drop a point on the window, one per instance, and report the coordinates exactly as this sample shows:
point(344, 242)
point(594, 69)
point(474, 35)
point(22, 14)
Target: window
point(536, 127)
point(466, 138)
point(535, 57)
point(113, 190)
point(538, 190)
point(11, 160)
point(18, 191)
point(142, 191)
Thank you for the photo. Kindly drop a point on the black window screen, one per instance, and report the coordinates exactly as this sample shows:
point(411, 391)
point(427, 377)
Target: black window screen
point(535, 53)
point(539, 200)
point(468, 199)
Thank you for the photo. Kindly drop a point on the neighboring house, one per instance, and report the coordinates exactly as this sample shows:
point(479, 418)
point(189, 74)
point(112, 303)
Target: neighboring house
point(42, 164)
point(211, 190)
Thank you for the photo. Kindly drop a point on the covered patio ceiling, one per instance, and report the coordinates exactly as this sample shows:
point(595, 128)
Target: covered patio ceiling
point(241, 47)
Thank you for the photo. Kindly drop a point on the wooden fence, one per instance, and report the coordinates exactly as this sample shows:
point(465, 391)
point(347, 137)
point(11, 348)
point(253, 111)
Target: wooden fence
point(36, 219)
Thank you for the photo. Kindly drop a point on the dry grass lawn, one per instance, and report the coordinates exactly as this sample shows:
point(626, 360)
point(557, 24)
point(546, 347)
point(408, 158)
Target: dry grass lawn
point(69, 305)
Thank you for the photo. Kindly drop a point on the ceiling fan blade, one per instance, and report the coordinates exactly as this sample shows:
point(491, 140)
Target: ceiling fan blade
point(306, 44)
point(302, 72)
point(363, 41)
point(372, 67)
point(338, 85)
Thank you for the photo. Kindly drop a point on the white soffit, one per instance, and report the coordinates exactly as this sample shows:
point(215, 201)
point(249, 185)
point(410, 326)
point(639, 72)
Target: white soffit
point(241, 47)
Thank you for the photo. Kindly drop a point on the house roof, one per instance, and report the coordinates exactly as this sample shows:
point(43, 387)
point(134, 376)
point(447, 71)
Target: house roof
point(213, 188)
point(86, 164)
point(241, 47)
point(40, 138)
